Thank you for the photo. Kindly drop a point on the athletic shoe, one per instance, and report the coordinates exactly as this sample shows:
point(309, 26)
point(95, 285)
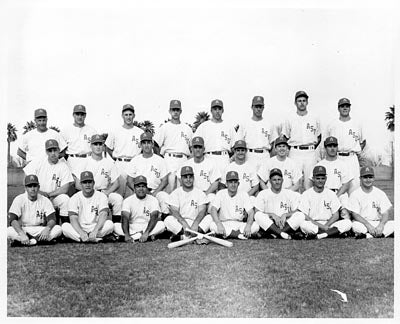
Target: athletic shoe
point(368, 236)
point(285, 236)
point(32, 241)
point(298, 236)
point(360, 236)
point(310, 236)
point(242, 237)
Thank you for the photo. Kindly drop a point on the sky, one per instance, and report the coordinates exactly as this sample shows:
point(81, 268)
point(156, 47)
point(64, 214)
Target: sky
point(106, 55)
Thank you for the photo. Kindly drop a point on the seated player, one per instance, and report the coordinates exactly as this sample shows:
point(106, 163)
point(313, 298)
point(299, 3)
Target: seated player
point(140, 215)
point(88, 210)
point(229, 210)
point(274, 208)
point(370, 207)
point(32, 217)
point(187, 205)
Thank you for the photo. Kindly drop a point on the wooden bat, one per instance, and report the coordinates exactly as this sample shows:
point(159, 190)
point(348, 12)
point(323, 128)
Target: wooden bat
point(212, 238)
point(183, 242)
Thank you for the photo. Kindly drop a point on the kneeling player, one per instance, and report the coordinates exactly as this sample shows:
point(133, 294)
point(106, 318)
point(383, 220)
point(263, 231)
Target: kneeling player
point(230, 208)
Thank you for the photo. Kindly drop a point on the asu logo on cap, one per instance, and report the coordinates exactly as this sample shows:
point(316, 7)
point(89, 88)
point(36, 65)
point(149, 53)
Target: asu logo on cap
point(186, 170)
point(258, 100)
point(51, 143)
point(86, 175)
point(217, 103)
point(319, 170)
point(367, 171)
point(175, 104)
point(232, 175)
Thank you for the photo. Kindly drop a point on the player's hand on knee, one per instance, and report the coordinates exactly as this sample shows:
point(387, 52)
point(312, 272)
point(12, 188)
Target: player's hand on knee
point(220, 229)
point(24, 239)
point(128, 239)
point(144, 237)
point(378, 230)
point(84, 237)
point(247, 230)
point(44, 235)
point(92, 236)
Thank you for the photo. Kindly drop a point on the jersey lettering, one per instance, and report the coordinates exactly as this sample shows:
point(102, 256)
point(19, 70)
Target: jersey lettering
point(204, 175)
point(106, 175)
point(338, 173)
point(194, 203)
point(238, 210)
point(187, 140)
point(95, 210)
point(56, 180)
point(226, 137)
point(135, 140)
point(288, 174)
point(265, 132)
point(156, 172)
point(376, 205)
point(355, 136)
point(285, 206)
point(312, 128)
point(327, 205)
point(41, 216)
point(146, 211)
point(246, 177)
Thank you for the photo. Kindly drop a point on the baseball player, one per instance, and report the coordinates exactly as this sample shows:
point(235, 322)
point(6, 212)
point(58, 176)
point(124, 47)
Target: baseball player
point(370, 208)
point(174, 139)
point(350, 138)
point(290, 170)
point(54, 176)
point(77, 136)
point(152, 167)
point(304, 135)
point(320, 207)
point(258, 133)
point(274, 209)
point(105, 175)
point(187, 205)
point(338, 176)
point(32, 215)
point(230, 208)
point(123, 144)
point(88, 210)
point(33, 141)
point(140, 215)
point(218, 136)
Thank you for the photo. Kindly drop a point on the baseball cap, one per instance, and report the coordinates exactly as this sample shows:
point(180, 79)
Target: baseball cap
point(239, 144)
point(232, 175)
point(51, 143)
point(175, 104)
point(281, 140)
point(31, 178)
point(217, 103)
point(319, 170)
point(186, 170)
point(80, 109)
point(275, 171)
point(146, 136)
point(330, 140)
point(86, 175)
point(300, 94)
point(40, 113)
point(198, 141)
point(140, 179)
point(128, 107)
point(258, 100)
point(96, 139)
point(364, 171)
point(344, 101)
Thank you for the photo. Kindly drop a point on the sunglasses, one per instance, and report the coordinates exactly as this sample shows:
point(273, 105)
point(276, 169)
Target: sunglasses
point(97, 144)
point(32, 185)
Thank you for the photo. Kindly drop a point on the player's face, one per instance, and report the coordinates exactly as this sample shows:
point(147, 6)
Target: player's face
point(319, 181)
point(216, 112)
point(232, 186)
point(147, 146)
point(175, 113)
point(141, 190)
point(331, 150)
point(198, 151)
point(79, 118)
point(53, 154)
point(344, 110)
point(301, 103)
point(87, 186)
point(32, 190)
point(258, 110)
point(128, 117)
point(367, 181)
point(97, 148)
point(240, 153)
point(276, 182)
point(187, 180)
point(41, 123)
point(282, 150)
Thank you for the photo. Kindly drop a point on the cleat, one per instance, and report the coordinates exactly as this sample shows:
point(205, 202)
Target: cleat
point(242, 237)
point(285, 236)
point(32, 241)
point(368, 236)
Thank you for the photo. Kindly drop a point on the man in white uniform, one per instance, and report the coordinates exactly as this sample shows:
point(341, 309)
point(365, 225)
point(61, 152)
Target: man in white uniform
point(370, 208)
point(258, 133)
point(54, 176)
point(350, 138)
point(173, 139)
point(140, 215)
point(32, 215)
point(123, 144)
point(33, 141)
point(88, 210)
point(304, 135)
point(187, 205)
point(320, 207)
point(218, 136)
point(77, 136)
point(229, 210)
point(290, 170)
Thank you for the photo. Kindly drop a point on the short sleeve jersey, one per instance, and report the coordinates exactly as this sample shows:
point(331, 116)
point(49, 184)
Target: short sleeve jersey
point(337, 173)
point(301, 129)
point(257, 134)
point(232, 208)
point(78, 138)
point(285, 201)
point(140, 209)
point(88, 208)
point(348, 133)
point(125, 142)
point(188, 203)
point(319, 206)
point(217, 136)
point(247, 175)
point(174, 138)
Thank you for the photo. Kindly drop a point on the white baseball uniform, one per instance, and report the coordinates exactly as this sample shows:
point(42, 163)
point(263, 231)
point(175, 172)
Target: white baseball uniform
point(247, 175)
point(33, 143)
point(140, 211)
point(290, 171)
point(32, 216)
point(52, 177)
point(370, 206)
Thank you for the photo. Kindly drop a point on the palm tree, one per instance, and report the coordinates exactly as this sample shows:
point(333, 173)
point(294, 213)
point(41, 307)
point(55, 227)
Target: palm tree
point(29, 126)
point(11, 137)
point(148, 126)
point(137, 124)
point(200, 118)
point(389, 117)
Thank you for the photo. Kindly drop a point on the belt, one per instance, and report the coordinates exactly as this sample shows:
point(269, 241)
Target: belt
point(335, 190)
point(257, 151)
point(78, 155)
point(178, 155)
point(218, 152)
point(125, 160)
point(345, 153)
point(304, 147)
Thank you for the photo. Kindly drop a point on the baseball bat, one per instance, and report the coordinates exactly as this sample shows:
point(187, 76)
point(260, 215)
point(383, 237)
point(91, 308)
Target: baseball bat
point(213, 239)
point(182, 242)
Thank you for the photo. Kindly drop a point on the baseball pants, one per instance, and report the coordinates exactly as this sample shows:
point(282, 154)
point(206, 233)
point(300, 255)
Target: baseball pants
point(264, 221)
point(221, 161)
point(354, 168)
point(115, 200)
point(136, 229)
point(359, 228)
point(70, 232)
point(234, 225)
point(257, 158)
point(306, 160)
point(75, 163)
point(173, 163)
point(172, 224)
point(162, 198)
point(33, 231)
point(123, 189)
point(308, 227)
point(61, 202)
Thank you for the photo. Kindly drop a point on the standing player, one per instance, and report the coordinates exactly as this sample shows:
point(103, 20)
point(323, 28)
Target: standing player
point(320, 207)
point(217, 135)
point(370, 208)
point(88, 210)
point(33, 141)
point(187, 205)
point(123, 144)
point(230, 208)
point(290, 170)
point(258, 133)
point(77, 136)
point(174, 138)
point(105, 176)
point(351, 140)
point(32, 215)
point(54, 175)
point(140, 215)
point(303, 132)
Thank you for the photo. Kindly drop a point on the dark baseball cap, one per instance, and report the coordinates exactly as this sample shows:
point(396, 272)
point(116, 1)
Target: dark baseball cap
point(319, 170)
point(40, 113)
point(51, 143)
point(367, 170)
point(30, 179)
point(240, 144)
point(86, 175)
point(198, 141)
point(258, 100)
point(175, 104)
point(186, 170)
point(140, 179)
point(281, 140)
point(128, 107)
point(217, 103)
point(274, 172)
point(344, 101)
point(232, 175)
point(146, 136)
point(96, 139)
point(80, 109)
point(300, 94)
point(331, 140)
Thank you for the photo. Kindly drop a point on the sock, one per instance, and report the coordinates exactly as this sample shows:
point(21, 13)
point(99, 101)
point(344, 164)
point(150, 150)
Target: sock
point(322, 235)
point(235, 234)
point(273, 229)
point(332, 231)
point(288, 229)
point(116, 218)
